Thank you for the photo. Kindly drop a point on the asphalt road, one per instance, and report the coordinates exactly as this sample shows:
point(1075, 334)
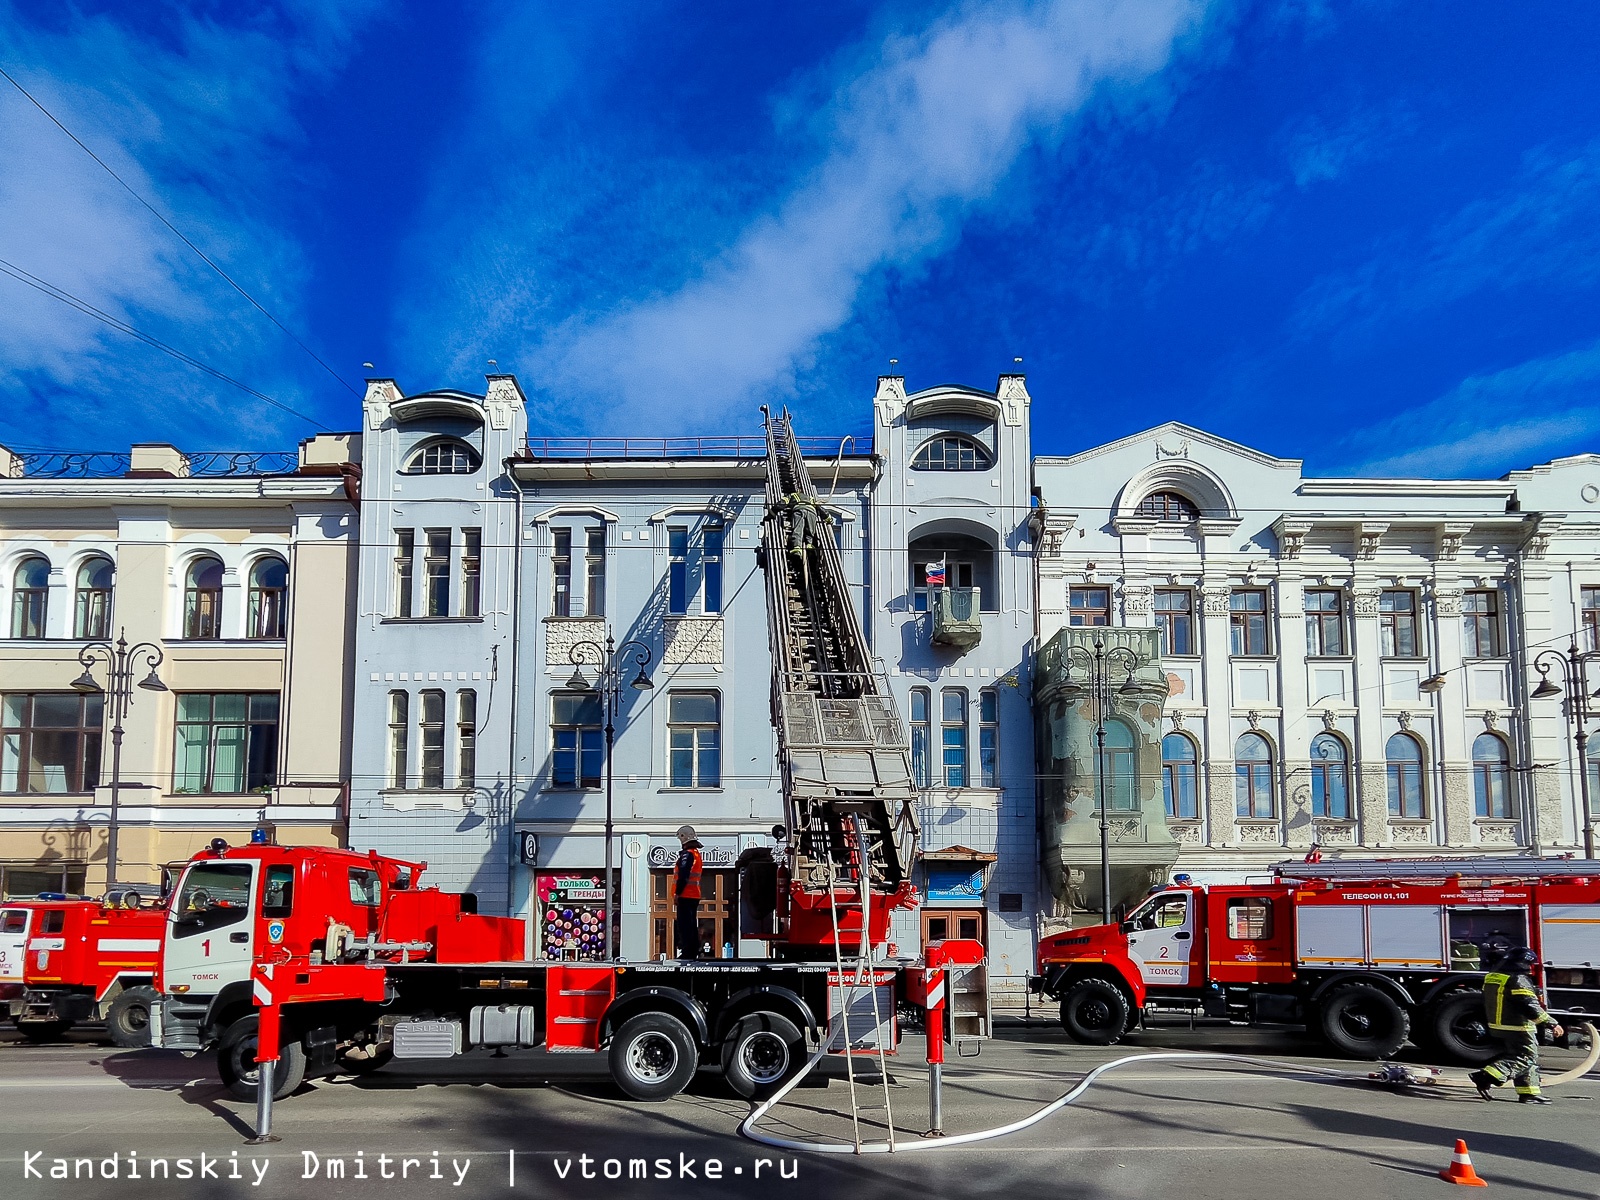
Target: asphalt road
point(1156, 1128)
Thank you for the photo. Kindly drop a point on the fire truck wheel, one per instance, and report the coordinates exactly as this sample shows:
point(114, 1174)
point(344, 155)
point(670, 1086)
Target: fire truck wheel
point(1094, 1012)
point(1461, 1031)
point(653, 1056)
point(236, 1061)
point(1361, 1021)
point(43, 1031)
point(760, 1053)
point(128, 1018)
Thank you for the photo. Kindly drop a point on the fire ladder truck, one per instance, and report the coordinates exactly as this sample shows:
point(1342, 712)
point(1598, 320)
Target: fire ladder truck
point(340, 961)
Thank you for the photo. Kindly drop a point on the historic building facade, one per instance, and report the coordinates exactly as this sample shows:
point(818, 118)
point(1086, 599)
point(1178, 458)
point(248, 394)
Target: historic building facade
point(233, 574)
point(1348, 660)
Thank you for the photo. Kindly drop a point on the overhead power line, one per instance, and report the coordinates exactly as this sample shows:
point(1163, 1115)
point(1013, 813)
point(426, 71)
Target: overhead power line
point(83, 306)
point(233, 283)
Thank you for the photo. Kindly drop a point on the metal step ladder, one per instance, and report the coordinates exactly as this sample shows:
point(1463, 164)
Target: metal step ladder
point(864, 977)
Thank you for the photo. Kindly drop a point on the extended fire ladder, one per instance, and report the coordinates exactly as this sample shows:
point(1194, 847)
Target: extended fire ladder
point(847, 784)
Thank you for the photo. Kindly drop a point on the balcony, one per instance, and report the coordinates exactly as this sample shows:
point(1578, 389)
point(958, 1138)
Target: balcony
point(955, 617)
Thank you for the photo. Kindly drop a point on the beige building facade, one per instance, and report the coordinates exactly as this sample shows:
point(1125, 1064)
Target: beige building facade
point(229, 577)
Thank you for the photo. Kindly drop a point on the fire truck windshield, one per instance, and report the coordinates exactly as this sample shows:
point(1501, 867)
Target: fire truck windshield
point(213, 894)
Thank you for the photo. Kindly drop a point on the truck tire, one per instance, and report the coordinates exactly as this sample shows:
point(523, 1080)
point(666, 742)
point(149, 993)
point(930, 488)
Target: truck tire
point(236, 1061)
point(1094, 1012)
point(761, 1053)
point(42, 1031)
point(1459, 1029)
point(1363, 1021)
point(128, 1018)
point(653, 1056)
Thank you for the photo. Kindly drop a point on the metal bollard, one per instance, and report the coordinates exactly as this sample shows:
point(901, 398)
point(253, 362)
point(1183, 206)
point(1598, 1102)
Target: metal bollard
point(937, 978)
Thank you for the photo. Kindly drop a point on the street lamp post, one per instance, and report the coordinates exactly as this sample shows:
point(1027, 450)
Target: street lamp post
point(118, 692)
point(611, 660)
point(1574, 667)
point(1096, 667)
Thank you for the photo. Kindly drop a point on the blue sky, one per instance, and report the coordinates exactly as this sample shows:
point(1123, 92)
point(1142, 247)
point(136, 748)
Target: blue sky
point(1365, 234)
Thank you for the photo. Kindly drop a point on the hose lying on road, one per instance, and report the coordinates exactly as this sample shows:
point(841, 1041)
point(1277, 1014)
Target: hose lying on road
point(747, 1128)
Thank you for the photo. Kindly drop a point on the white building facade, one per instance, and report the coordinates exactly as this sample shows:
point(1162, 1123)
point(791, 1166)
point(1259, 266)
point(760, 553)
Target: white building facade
point(1349, 661)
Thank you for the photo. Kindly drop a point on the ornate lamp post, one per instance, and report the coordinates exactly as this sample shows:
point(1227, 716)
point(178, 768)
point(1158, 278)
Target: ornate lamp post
point(119, 661)
point(1575, 675)
point(611, 660)
point(1096, 668)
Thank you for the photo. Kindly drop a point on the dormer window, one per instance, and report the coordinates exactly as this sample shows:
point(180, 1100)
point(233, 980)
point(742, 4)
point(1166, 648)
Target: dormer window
point(952, 452)
point(1169, 507)
point(449, 457)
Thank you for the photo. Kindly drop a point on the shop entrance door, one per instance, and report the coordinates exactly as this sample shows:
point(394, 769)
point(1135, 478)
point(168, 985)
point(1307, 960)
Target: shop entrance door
point(718, 912)
point(941, 924)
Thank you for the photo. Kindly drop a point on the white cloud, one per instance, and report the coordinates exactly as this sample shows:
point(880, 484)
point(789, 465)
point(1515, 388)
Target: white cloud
point(198, 121)
point(1490, 423)
point(916, 139)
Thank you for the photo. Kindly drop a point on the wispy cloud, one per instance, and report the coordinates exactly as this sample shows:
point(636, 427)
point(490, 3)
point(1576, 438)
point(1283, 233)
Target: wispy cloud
point(922, 129)
point(197, 116)
point(1490, 423)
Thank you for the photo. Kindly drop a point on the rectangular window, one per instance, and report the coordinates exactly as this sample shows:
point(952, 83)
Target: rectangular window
point(1089, 606)
point(1175, 619)
point(430, 724)
point(577, 752)
point(227, 742)
point(50, 741)
point(1324, 623)
point(677, 569)
point(694, 739)
point(1249, 920)
point(24, 883)
point(405, 555)
point(711, 559)
point(436, 567)
point(399, 738)
point(1397, 623)
point(365, 889)
point(466, 738)
point(594, 573)
point(988, 738)
point(277, 893)
point(1590, 617)
point(1480, 614)
point(1247, 622)
point(953, 739)
point(471, 572)
point(921, 736)
point(561, 567)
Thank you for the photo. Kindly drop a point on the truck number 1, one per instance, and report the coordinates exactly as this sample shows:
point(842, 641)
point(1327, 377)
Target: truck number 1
point(205, 948)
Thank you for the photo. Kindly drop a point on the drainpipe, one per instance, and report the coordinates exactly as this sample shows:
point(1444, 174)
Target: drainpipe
point(514, 859)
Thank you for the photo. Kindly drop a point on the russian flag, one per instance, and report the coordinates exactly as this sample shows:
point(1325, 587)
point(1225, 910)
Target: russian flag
point(936, 574)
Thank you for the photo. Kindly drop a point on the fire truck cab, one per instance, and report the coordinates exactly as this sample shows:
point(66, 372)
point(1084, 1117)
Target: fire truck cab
point(15, 920)
point(1365, 954)
point(83, 960)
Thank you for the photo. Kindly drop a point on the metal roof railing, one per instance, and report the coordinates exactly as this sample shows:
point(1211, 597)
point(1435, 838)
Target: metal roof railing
point(112, 464)
point(682, 447)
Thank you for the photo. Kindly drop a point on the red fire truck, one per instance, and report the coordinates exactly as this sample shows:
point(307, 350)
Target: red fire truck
point(84, 960)
point(1365, 954)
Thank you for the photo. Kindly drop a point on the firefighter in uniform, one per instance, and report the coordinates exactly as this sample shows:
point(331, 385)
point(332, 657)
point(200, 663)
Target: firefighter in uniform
point(1511, 1004)
point(686, 872)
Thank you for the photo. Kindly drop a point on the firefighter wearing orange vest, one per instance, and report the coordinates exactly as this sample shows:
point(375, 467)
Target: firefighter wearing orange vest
point(687, 877)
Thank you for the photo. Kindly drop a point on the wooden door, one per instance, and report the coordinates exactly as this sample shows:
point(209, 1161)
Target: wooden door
point(942, 924)
point(718, 911)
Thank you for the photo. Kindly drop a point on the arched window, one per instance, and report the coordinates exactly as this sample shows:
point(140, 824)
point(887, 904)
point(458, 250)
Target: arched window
point(202, 599)
point(1330, 778)
point(1403, 754)
point(952, 452)
point(1171, 507)
point(1179, 777)
point(30, 592)
point(448, 457)
point(269, 592)
point(1491, 776)
point(1121, 767)
point(1254, 787)
point(93, 608)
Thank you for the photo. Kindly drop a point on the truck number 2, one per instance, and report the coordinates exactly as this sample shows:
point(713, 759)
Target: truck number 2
point(205, 948)
point(1166, 952)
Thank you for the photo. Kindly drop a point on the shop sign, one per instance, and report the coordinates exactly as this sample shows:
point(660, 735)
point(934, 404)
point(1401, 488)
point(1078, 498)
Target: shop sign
point(574, 912)
point(713, 857)
point(955, 881)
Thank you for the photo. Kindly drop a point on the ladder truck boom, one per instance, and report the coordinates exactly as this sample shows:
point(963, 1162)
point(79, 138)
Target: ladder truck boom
point(848, 792)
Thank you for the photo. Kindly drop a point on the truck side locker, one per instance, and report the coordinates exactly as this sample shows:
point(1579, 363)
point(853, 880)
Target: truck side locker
point(1408, 936)
point(576, 1000)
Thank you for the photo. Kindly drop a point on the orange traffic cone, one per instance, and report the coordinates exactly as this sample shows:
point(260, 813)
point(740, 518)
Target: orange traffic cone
point(1460, 1168)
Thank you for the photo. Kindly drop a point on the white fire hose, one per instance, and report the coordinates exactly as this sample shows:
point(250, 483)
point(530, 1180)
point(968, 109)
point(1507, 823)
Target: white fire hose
point(747, 1127)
